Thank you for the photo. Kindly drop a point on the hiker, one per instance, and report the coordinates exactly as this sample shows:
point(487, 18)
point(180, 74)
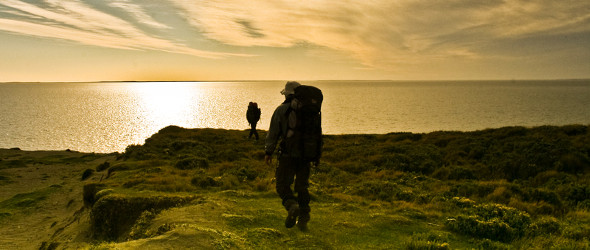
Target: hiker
point(293, 163)
point(253, 116)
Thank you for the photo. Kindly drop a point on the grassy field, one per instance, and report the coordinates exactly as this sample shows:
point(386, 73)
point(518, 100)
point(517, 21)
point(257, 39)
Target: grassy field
point(506, 188)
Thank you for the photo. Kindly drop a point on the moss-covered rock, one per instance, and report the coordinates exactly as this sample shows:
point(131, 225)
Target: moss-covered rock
point(89, 193)
point(113, 215)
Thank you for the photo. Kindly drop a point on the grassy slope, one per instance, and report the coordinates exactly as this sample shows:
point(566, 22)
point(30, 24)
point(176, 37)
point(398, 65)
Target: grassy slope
point(501, 188)
point(40, 194)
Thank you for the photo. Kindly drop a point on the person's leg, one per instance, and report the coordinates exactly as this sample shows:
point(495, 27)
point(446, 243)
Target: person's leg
point(254, 131)
point(303, 198)
point(302, 184)
point(284, 175)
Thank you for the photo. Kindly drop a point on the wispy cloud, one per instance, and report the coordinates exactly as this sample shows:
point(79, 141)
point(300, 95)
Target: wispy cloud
point(76, 21)
point(382, 32)
point(138, 13)
point(377, 33)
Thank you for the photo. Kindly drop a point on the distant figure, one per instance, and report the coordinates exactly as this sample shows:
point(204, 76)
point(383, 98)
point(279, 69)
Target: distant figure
point(253, 116)
point(297, 123)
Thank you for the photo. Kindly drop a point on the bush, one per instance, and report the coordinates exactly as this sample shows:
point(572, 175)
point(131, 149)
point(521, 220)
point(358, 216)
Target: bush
point(103, 166)
point(492, 245)
point(453, 173)
point(204, 181)
point(577, 232)
point(492, 221)
point(472, 188)
point(87, 173)
point(245, 173)
point(545, 225)
point(428, 241)
point(577, 193)
point(550, 197)
point(573, 163)
point(463, 202)
point(382, 190)
point(192, 163)
point(138, 152)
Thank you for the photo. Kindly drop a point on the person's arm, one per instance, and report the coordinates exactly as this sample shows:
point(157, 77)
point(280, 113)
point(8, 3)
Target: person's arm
point(274, 133)
point(248, 116)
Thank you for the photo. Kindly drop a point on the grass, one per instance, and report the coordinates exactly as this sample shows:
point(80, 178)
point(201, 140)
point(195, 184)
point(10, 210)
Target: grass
point(503, 188)
point(25, 202)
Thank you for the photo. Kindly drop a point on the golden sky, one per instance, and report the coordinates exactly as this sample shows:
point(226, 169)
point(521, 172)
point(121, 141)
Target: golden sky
point(103, 40)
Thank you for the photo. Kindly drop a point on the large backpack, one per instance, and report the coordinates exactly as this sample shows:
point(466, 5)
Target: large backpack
point(304, 131)
point(253, 113)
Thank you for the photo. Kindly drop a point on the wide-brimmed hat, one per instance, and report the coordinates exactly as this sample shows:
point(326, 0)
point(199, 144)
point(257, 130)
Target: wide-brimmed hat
point(290, 88)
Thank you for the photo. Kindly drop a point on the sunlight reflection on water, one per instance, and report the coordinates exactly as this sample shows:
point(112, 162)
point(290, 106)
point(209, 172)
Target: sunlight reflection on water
point(107, 117)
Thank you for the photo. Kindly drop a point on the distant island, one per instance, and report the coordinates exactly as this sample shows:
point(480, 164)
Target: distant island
point(511, 187)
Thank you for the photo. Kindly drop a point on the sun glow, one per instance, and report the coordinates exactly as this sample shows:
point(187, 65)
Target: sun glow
point(165, 104)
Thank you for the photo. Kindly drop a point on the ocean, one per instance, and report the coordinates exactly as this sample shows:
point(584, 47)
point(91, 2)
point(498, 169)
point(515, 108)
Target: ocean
point(106, 117)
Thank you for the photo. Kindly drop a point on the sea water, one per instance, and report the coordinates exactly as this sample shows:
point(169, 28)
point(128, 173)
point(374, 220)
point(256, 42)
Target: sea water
point(109, 116)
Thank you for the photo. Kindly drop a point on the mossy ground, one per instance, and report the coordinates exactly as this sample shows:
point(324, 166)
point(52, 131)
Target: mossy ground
point(507, 188)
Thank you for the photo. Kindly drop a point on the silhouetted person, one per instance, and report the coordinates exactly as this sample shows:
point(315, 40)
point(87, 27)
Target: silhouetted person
point(253, 116)
point(293, 166)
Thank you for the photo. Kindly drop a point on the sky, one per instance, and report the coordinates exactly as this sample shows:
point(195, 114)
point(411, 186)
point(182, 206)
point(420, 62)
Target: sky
point(190, 40)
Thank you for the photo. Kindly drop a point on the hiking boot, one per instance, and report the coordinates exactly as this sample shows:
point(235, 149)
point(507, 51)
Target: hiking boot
point(292, 215)
point(302, 222)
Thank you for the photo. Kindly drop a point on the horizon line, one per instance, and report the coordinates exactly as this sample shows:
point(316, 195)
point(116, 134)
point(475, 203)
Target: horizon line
point(306, 80)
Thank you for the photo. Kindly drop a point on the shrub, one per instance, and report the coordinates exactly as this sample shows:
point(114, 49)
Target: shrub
point(462, 202)
point(87, 173)
point(472, 188)
point(427, 241)
point(544, 177)
point(103, 166)
point(263, 184)
point(192, 163)
point(453, 173)
point(246, 173)
point(229, 182)
point(550, 197)
point(492, 245)
point(382, 190)
point(573, 130)
point(577, 232)
point(204, 181)
point(353, 167)
point(573, 163)
point(545, 225)
point(577, 193)
point(492, 221)
point(138, 152)
point(585, 204)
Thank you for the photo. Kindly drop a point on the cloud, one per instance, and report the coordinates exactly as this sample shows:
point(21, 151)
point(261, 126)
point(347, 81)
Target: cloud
point(382, 33)
point(138, 12)
point(76, 21)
